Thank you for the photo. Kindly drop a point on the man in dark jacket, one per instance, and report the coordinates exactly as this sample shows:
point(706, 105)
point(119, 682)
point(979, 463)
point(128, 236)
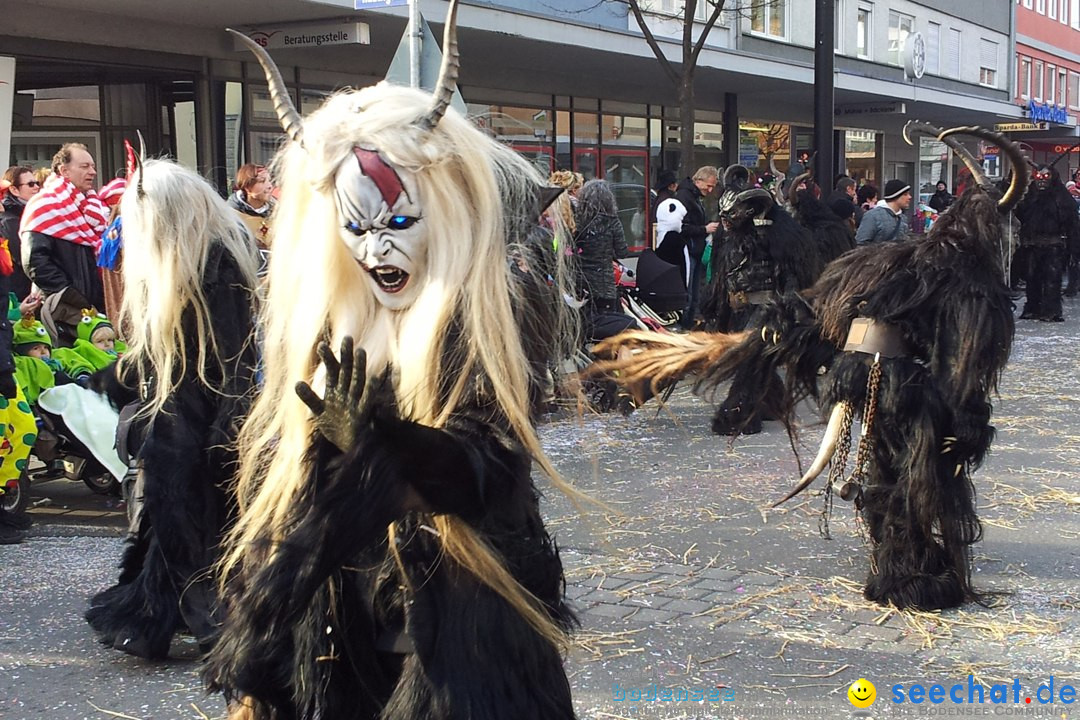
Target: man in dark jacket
point(61, 229)
point(695, 230)
point(842, 202)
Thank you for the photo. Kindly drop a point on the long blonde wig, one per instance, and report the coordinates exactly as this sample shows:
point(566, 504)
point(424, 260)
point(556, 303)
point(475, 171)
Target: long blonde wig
point(168, 230)
point(476, 195)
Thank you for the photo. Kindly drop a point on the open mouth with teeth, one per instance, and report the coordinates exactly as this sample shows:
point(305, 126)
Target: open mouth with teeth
point(389, 278)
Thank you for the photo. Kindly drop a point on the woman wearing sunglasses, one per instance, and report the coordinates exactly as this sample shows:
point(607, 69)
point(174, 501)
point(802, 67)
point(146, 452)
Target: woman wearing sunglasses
point(17, 187)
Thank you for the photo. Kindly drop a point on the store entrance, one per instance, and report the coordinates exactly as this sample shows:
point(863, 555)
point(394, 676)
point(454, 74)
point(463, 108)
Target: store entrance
point(58, 102)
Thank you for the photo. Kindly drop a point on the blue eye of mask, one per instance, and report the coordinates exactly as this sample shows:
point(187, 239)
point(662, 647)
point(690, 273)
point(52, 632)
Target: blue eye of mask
point(401, 222)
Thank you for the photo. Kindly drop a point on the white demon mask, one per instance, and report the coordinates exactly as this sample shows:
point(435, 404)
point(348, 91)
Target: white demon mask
point(382, 225)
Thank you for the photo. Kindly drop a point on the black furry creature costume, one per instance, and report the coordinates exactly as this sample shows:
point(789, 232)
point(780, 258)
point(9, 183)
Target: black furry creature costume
point(403, 570)
point(185, 459)
point(1049, 236)
point(761, 254)
point(832, 235)
point(914, 336)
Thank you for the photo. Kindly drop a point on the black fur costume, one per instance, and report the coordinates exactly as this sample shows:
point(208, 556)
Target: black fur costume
point(330, 628)
point(1049, 235)
point(762, 252)
point(331, 621)
point(832, 235)
point(187, 464)
point(945, 295)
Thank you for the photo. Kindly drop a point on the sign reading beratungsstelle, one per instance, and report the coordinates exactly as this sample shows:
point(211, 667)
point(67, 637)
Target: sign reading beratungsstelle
point(305, 36)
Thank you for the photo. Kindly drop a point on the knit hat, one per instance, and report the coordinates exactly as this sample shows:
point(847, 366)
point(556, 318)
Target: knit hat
point(91, 321)
point(30, 332)
point(894, 189)
point(665, 178)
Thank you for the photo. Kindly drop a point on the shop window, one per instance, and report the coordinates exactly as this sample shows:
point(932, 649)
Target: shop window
point(66, 106)
point(900, 26)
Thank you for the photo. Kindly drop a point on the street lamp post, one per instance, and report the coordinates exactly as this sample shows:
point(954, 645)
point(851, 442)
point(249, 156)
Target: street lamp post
point(824, 43)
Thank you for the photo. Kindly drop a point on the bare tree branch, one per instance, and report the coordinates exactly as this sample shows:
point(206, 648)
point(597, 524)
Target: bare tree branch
point(665, 64)
point(718, 7)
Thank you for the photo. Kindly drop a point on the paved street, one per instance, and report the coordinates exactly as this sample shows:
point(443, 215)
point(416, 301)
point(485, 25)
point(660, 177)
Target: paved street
point(682, 580)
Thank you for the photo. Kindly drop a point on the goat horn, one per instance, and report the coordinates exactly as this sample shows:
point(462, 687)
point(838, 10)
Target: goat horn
point(793, 189)
point(1020, 175)
point(825, 453)
point(962, 152)
point(289, 118)
point(139, 192)
point(448, 72)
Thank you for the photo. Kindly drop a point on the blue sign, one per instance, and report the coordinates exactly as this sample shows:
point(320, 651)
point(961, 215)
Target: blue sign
point(376, 4)
point(1047, 113)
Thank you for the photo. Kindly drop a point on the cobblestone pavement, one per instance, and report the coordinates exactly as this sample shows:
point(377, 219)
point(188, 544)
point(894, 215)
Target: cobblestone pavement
point(682, 581)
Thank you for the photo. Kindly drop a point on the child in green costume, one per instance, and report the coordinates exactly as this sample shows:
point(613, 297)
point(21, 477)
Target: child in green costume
point(97, 343)
point(38, 366)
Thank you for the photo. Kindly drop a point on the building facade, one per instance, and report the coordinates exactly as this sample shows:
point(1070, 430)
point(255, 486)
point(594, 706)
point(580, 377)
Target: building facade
point(1048, 78)
point(571, 84)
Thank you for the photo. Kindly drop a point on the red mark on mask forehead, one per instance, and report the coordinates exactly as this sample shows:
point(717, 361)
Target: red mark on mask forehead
point(384, 176)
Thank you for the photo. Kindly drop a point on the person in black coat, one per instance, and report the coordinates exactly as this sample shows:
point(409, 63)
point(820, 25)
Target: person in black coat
point(190, 371)
point(696, 229)
point(942, 198)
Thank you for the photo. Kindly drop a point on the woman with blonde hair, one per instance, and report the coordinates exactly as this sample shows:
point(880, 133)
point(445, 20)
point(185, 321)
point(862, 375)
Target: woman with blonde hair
point(189, 273)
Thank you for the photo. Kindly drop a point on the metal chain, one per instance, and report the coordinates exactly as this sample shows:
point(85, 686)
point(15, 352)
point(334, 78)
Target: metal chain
point(864, 453)
point(838, 467)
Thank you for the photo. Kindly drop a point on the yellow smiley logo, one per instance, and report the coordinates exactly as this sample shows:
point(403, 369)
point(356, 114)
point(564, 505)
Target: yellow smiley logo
point(862, 693)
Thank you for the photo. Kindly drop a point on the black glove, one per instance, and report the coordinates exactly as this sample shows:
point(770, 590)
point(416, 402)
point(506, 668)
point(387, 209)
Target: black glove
point(339, 414)
point(7, 385)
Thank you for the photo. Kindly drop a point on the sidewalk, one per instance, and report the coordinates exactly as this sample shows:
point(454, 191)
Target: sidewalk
point(686, 581)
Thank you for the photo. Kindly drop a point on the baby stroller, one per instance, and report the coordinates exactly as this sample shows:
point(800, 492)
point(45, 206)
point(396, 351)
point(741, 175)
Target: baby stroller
point(656, 293)
point(77, 438)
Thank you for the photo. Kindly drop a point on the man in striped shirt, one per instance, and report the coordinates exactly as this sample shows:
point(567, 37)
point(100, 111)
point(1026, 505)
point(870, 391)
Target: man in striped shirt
point(61, 231)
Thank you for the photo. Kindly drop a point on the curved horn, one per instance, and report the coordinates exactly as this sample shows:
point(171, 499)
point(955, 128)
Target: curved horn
point(969, 160)
point(793, 188)
point(289, 118)
point(1054, 162)
point(779, 179)
point(1020, 175)
point(448, 72)
point(140, 193)
point(825, 453)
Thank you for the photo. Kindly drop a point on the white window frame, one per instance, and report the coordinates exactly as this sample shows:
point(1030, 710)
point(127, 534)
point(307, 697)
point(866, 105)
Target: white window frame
point(954, 71)
point(1040, 6)
point(933, 45)
point(1074, 14)
point(984, 45)
point(1051, 10)
point(868, 27)
point(769, 9)
point(1022, 86)
point(1074, 86)
point(1062, 88)
point(1027, 4)
point(838, 27)
point(674, 8)
point(900, 41)
point(1051, 84)
point(1063, 13)
point(1037, 87)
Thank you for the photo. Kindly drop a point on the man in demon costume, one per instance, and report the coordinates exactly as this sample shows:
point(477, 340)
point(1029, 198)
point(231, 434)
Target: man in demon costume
point(1049, 235)
point(189, 277)
point(914, 337)
point(390, 560)
point(760, 253)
